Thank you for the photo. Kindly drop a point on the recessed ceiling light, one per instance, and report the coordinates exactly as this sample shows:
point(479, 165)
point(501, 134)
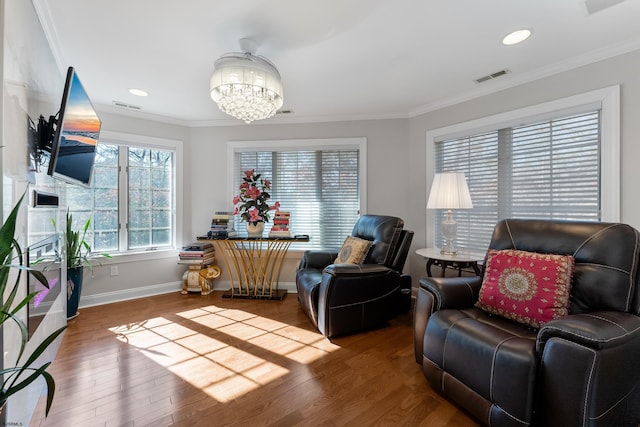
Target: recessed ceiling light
point(516, 37)
point(138, 92)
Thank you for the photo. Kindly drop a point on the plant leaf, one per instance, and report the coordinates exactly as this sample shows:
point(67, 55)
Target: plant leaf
point(8, 230)
point(17, 386)
point(43, 345)
point(51, 389)
point(24, 332)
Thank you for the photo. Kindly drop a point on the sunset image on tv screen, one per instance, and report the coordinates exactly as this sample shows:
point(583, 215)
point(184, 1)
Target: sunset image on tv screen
point(79, 135)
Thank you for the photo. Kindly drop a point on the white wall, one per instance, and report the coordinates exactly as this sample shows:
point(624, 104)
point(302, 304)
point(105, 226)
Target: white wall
point(396, 162)
point(205, 191)
point(396, 151)
point(31, 85)
point(387, 153)
point(149, 273)
point(621, 70)
point(396, 148)
point(386, 149)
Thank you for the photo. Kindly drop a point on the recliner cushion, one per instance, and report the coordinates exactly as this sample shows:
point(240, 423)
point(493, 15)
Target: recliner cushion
point(529, 288)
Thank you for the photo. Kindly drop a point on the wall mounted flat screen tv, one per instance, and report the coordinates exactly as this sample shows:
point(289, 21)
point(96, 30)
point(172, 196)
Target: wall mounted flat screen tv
point(73, 149)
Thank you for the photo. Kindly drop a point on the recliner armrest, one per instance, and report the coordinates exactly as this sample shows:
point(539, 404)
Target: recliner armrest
point(357, 269)
point(438, 293)
point(596, 330)
point(350, 283)
point(356, 296)
point(317, 259)
point(452, 292)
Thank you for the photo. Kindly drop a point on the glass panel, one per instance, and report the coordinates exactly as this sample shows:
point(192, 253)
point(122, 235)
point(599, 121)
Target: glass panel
point(139, 239)
point(150, 197)
point(98, 202)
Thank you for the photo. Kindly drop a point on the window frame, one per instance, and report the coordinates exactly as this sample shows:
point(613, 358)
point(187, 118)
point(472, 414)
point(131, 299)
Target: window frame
point(143, 141)
point(607, 99)
point(358, 143)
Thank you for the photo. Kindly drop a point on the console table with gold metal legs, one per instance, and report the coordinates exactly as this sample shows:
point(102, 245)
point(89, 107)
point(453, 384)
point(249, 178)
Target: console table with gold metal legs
point(254, 265)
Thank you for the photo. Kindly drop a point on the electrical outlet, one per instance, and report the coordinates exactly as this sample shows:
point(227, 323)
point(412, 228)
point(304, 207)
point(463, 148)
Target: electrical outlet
point(114, 270)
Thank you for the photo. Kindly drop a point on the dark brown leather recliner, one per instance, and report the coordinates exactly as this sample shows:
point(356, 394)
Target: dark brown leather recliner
point(578, 370)
point(345, 298)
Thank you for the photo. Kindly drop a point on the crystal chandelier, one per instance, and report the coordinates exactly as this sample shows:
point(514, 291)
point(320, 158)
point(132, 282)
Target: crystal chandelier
point(246, 86)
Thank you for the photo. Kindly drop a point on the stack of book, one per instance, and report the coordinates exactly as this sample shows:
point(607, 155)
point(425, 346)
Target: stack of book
point(221, 225)
point(280, 226)
point(199, 254)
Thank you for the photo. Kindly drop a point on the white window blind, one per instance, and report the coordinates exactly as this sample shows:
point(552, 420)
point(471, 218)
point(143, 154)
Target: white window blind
point(318, 187)
point(548, 169)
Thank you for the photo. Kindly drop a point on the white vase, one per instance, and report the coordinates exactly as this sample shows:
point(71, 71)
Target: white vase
point(255, 230)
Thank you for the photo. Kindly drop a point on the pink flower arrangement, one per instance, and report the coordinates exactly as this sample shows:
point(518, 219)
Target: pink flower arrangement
point(251, 204)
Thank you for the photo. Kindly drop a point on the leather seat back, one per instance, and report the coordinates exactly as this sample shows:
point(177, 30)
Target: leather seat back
point(384, 233)
point(606, 258)
point(406, 236)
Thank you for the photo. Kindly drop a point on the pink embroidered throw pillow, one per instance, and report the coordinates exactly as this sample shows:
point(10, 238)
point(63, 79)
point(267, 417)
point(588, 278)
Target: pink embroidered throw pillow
point(527, 287)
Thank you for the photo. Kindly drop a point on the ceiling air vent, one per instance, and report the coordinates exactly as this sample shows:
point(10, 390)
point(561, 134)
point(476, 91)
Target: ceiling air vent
point(284, 112)
point(493, 76)
point(127, 106)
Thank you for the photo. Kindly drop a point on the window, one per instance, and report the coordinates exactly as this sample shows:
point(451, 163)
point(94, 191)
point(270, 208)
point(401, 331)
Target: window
point(319, 181)
point(150, 197)
point(552, 167)
point(131, 200)
point(99, 202)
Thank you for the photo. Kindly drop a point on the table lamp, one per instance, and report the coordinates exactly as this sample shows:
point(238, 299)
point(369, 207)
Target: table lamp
point(449, 191)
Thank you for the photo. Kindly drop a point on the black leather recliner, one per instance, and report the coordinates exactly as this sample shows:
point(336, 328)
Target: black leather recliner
point(579, 370)
point(345, 298)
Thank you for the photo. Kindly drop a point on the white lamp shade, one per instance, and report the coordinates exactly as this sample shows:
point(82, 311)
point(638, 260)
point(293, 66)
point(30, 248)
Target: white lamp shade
point(249, 70)
point(246, 86)
point(449, 191)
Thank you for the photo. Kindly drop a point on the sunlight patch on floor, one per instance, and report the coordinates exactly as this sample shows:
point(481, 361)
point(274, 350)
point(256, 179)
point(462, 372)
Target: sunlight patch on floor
point(224, 352)
point(231, 372)
point(297, 344)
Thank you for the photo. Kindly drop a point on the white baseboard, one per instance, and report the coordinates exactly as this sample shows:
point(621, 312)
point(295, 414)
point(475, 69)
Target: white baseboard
point(129, 294)
point(163, 288)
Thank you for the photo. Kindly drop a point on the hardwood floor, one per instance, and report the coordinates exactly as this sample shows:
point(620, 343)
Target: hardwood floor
point(206, 361)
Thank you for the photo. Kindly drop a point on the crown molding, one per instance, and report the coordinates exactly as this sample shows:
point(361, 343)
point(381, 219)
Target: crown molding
point(517, 79)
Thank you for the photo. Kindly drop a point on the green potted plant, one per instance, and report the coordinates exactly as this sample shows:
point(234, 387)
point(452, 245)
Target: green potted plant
point(78, 254)
point(16, 378)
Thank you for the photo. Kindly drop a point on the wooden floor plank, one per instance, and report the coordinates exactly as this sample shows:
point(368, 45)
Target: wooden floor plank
point(192, 360)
